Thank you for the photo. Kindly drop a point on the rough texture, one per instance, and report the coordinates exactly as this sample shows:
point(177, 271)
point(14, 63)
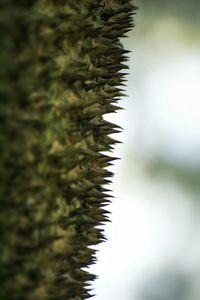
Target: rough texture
point(60, 63)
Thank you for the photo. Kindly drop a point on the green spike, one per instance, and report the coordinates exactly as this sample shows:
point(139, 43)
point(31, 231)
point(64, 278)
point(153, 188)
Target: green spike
point(62, 70)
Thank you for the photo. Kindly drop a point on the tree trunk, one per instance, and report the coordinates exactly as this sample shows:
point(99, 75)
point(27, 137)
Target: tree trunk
point(60, 74)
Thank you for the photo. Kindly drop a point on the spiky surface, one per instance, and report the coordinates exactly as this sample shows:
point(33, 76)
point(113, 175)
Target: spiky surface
point(60, 74)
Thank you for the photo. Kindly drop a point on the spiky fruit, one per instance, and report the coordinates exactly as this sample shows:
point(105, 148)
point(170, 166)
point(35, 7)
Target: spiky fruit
point(60, 74)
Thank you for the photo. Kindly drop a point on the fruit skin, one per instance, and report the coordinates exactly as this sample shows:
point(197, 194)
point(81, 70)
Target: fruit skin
point(60, 74)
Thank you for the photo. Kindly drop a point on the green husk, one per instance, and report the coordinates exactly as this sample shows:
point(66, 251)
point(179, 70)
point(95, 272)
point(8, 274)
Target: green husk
point(60, 74)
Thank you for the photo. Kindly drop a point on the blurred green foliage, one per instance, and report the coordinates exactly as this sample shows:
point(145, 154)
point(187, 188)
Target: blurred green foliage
point(177, 8)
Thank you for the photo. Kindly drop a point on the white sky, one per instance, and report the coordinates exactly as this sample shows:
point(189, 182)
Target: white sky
point(152, 221)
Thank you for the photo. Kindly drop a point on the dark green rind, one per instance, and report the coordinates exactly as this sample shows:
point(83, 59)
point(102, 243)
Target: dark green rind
point(61, 61)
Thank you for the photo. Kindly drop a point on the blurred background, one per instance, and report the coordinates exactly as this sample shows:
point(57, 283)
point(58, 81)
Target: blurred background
point(153, 247)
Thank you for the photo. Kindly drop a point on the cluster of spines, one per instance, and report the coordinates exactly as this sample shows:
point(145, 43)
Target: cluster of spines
point(73, 66)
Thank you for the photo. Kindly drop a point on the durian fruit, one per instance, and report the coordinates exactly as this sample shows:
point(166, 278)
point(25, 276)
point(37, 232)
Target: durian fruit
point(60, 73)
